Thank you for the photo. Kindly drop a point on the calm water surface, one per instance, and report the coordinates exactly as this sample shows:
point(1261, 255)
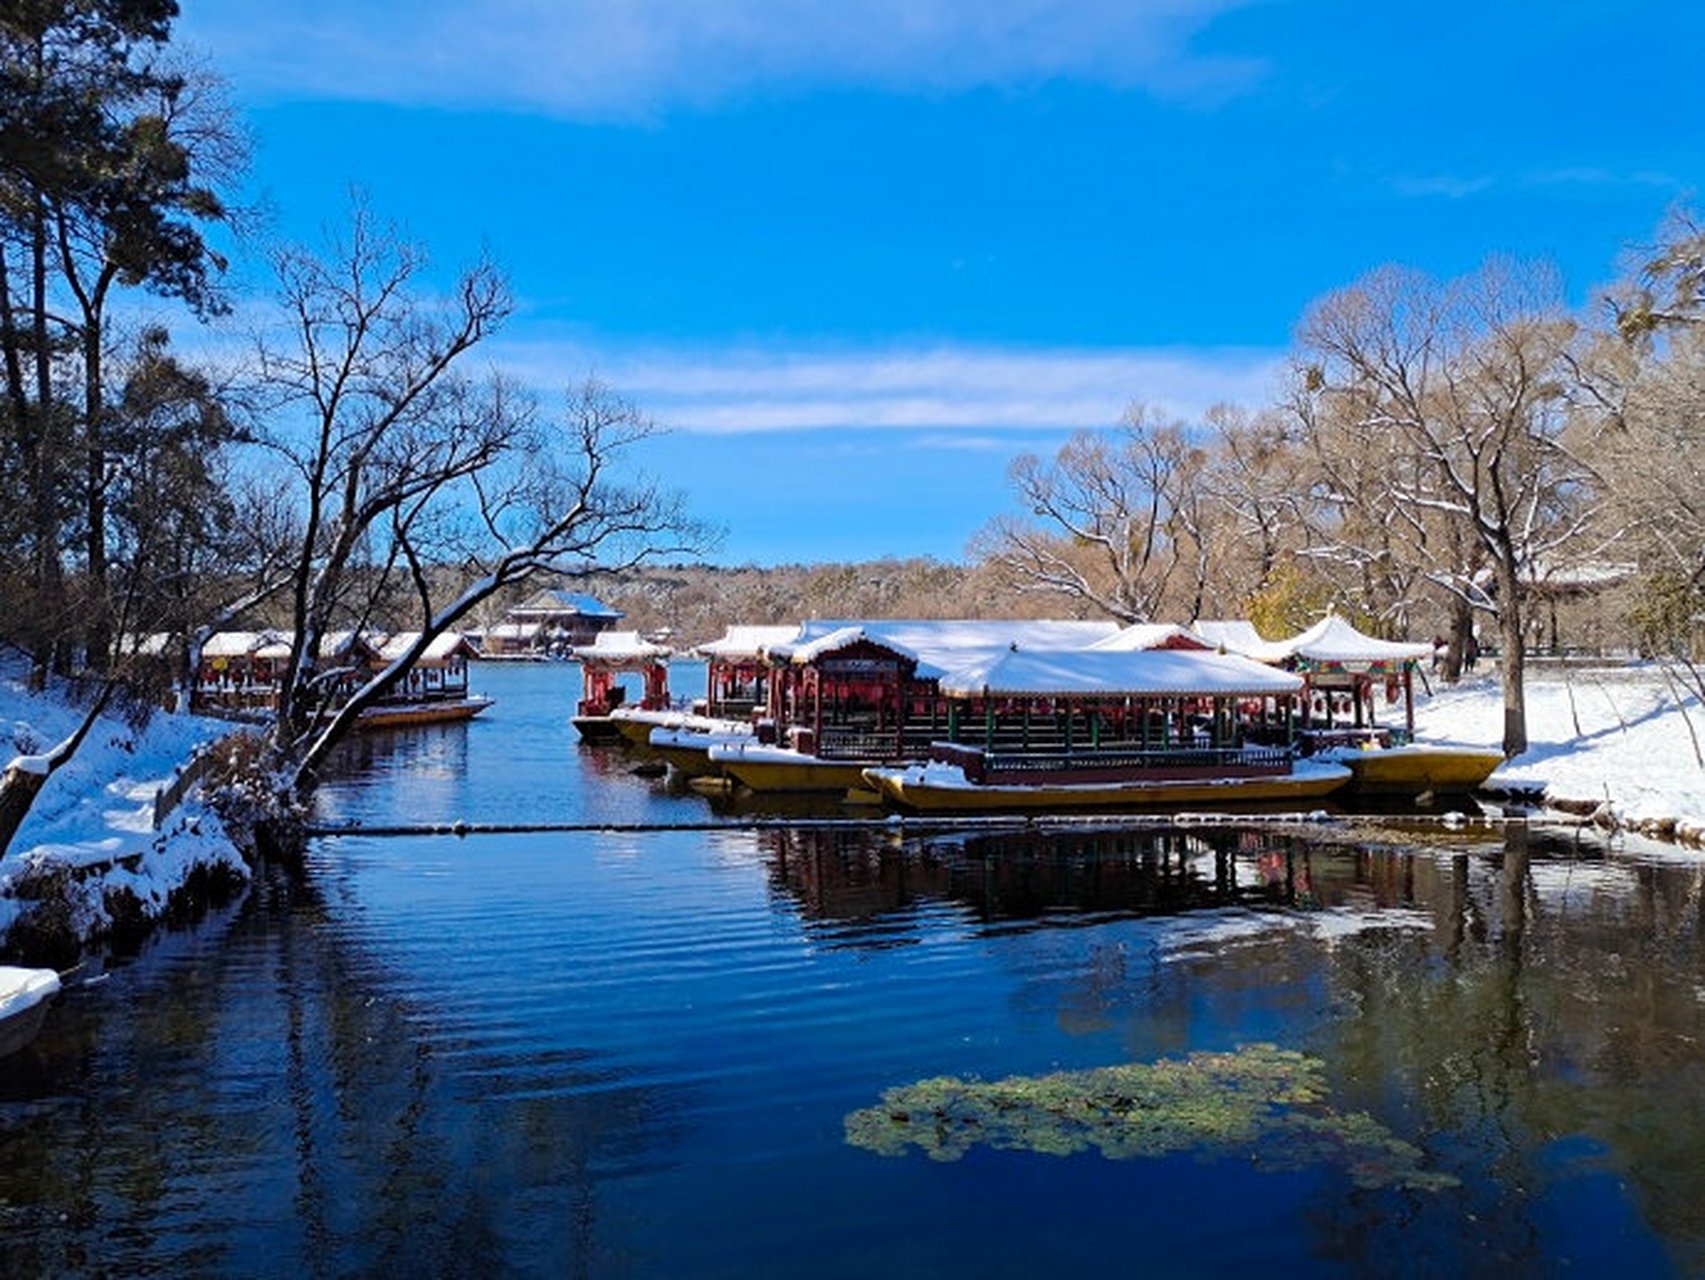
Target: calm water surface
point(634, 1051)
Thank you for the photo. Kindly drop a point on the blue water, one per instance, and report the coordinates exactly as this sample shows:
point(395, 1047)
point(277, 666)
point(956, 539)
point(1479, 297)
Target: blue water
point(631, 1051)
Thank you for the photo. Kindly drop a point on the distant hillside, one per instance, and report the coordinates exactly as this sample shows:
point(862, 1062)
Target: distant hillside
point(696, 602)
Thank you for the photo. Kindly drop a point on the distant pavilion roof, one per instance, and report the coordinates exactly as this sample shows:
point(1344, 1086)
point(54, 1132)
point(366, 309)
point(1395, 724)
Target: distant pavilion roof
point(552, 603)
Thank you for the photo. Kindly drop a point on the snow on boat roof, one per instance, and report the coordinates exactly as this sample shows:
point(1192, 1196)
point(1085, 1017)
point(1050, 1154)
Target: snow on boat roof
point(747, 641)
point(1151, 635)
point(1332, 639)
point(618, 646)
point(239, 644)
point(1169, 672)
point(840, 638)
point(943, 644)
point(444, 646)
point(1238, 635)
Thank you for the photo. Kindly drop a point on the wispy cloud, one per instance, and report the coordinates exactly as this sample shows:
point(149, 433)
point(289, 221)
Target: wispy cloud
point(1446, 185)
point(972, 396)
point(1451, 186)
point(1591, 176)
point(638, 56)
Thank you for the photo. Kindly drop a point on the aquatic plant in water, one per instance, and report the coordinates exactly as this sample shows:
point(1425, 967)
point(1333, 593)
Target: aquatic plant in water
point(1260, 1101)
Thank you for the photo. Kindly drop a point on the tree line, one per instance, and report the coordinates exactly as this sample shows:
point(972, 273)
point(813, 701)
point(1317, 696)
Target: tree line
point(1443, 452)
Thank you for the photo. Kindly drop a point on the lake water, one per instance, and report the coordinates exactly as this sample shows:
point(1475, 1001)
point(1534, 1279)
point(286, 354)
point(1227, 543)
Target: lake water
point(660, 1050)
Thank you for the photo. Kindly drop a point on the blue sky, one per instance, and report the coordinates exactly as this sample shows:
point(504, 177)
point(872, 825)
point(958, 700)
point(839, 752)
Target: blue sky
point(858, 254)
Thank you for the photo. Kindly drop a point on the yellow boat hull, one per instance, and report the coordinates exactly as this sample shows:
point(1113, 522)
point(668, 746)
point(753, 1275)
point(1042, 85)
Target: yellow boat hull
point(767, 771)
point(1414, 769)
point(916, 790)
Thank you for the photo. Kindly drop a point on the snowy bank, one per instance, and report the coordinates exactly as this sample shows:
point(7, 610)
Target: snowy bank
point(1608, 739)
point(88, 849)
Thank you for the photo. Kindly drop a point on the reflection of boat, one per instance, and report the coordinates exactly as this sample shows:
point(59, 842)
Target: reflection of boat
point(937, 787)
point(24, 997)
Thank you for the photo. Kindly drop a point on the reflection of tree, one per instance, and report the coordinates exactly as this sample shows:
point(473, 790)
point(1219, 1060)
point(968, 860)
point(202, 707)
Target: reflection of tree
point(367, 1135)
point(1544, 1033)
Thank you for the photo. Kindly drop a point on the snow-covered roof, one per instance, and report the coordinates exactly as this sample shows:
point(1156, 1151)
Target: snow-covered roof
point(1238, 635)
point(1152, 635)
point(620, 646)
point(1576, 575)
point(515, 631)
point(945, 644)
point(840, 638)
point(340, 644)
point(1334, 640)
point(1166, 672)
point(156, 644)
point(242, 644)
point(444, 646)
point(554, 601)
point(747, 641)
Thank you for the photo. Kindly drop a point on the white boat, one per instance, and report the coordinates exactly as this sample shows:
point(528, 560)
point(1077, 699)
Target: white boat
point(24, 997)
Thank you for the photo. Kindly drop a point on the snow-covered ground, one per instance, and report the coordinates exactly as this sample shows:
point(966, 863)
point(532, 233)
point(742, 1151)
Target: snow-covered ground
point(1607, 733)
point(99, 807)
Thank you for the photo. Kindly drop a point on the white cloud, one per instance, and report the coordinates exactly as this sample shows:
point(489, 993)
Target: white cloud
point(616, 58)
point(974, 396)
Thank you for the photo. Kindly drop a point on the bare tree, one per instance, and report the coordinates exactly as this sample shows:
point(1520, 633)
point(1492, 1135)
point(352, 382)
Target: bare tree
point(401, 464)
point(1114, 515)
point(1464, 386)
point(1261, 479)
point(1644, 385)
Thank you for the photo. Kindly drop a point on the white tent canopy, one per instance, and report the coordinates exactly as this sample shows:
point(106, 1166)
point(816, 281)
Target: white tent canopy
point(1333, 640)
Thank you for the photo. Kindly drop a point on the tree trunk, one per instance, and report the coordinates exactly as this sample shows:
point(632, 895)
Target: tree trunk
point(1461, 632)
point(100, 637)
point(1512, 665)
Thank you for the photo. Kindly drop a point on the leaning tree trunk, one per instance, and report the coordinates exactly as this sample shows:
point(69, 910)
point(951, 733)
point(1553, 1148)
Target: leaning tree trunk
point(18, 791)
point(23, 782)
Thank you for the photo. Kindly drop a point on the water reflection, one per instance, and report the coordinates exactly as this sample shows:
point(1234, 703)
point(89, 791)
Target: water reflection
point(630, 1053)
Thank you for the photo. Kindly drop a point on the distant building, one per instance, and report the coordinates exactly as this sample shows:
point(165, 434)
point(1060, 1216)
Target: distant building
point(549, 622)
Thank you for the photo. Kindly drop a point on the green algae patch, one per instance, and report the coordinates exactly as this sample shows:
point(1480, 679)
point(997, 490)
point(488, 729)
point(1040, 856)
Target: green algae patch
point(1260, 1102)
